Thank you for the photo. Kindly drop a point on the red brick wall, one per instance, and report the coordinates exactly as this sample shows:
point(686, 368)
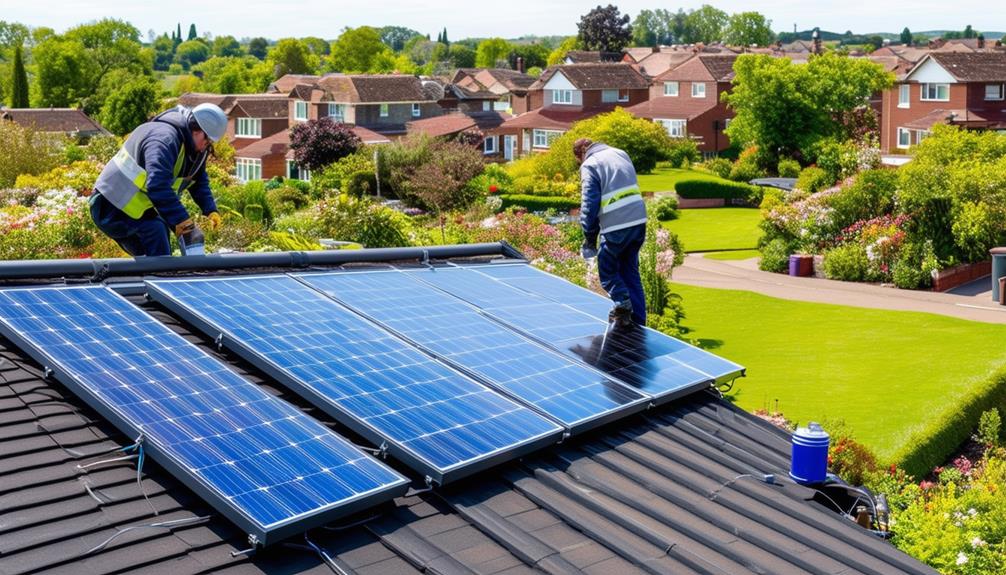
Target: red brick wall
point(893, 116)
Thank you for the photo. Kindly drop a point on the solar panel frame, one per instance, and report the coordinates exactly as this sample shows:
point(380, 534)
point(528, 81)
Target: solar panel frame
point(258, 534)
point(580, 426)
point(434, 474)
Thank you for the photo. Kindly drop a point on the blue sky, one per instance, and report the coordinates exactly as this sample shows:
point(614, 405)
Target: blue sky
point(325, 18)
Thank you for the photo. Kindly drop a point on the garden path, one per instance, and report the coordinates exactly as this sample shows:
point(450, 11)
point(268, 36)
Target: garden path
point(745, 275)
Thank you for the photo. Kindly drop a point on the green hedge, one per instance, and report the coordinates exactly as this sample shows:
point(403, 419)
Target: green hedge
point(939, 438)
point(539, 203)
point(711, 189)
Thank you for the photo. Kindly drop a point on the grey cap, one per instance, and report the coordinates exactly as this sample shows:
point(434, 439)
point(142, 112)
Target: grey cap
point(211, 120)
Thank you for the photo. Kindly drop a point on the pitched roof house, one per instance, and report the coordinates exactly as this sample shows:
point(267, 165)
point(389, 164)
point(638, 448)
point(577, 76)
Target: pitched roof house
point(567, 94)
point(250, 117)
point(488, 89)
point(687, 101)
point(68, 121)
point(965, 89)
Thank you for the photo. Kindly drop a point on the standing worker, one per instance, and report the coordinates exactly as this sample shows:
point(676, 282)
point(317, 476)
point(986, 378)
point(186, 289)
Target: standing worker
point(612, 206)
point(137, 198)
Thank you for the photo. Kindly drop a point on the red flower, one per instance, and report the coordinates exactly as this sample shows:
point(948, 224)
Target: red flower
point(493, 189)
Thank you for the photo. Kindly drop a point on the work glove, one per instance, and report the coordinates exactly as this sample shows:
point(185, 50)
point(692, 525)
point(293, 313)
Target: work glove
point(214, 220)
point(588, 251)
point(190, 238)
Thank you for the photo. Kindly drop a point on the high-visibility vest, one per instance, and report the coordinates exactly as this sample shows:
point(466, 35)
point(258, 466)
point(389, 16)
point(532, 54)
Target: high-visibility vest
point(123, 182)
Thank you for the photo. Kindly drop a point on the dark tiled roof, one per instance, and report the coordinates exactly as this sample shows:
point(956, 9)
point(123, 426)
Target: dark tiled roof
point(302, 92)
point(551, 118)
point(261, 106)
point(366, 89)
point(512, 79)
point(660, 62)
point(193, 99)
point(453, 123)
point(592, 56)
point(704, 67)
point(287, 82)
point(65, 120)
point(596, 76)
point(973, 66)
point(673, 108)
point(720, 67)
point(670, 491)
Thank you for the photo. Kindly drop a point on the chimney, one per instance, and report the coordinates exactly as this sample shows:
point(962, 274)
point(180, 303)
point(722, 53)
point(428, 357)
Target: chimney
point(520, 64)
point(981, 41)
point(817, 41)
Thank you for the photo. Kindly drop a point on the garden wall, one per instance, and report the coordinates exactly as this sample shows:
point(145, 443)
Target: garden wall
point(959, 275)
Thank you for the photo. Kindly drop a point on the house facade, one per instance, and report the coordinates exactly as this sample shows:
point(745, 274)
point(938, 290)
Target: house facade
point(957, 88)
point(473, 90)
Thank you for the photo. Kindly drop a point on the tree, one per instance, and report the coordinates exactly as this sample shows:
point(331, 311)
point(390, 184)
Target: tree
point(461, 56)
point(604, 29)
point(318, 46)
point(557, 56)
point(747, 29)
point(131, 105)
point(318, 143)
point(164, 52)
point(534, 55)
point(906, 36)
point(258, 47)
point(291, 56)
point(490, 52)
point(396, 36)
point(19, 82)
point(357, 50)
point(234, 75)
point(191, 52)
point(224, 46)
point(178, 35)
point(705, 25)
point(443, 37)
point(441, 183)
point(653, 28)
point(192, 32)
point(969, 32)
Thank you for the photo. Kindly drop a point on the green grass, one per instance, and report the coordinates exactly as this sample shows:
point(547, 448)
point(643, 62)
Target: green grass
point(733, 255)
point(886, 373)
point(715, 229)
point(663, 179)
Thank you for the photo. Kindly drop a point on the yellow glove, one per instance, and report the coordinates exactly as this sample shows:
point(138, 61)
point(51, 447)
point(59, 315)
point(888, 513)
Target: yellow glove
point(215, 220)
point(185, 227)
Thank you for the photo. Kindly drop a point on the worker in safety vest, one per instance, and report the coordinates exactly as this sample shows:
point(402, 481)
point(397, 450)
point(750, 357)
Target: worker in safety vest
point(612, 207)
point(137, 199)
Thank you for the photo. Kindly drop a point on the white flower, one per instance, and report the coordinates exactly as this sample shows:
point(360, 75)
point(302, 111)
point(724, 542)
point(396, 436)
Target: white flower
point(962, 558)
point(972, 512)
point(977, 542)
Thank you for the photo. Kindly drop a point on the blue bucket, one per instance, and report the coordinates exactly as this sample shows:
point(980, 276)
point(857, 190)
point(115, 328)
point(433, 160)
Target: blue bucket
point(809, 463)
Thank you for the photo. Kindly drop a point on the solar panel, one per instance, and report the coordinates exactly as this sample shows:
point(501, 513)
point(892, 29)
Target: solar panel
point(437, 420)
point(575, 395)
point(258, 460)
point(654, 362)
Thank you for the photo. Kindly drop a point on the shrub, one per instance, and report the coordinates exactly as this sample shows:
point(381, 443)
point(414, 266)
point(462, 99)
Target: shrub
point(336, 176)
point(539, 203)
point(704, 189)
point(666, 208)
point(989, 428)
point(869, 196)
point(907, 274)
point(747, 167)
point(788, 168)
point(361, 184)
point(286, 199)
point(681, 152)
point(813, 179)
point(79, 176)
point(847, 458)
point(775, 256)
point(719, 166)
point(362, 221)
point(494, 179)
point(318, 143)
point(24, 151)
point(846, 263)
point(976, 230)
point(249, 200)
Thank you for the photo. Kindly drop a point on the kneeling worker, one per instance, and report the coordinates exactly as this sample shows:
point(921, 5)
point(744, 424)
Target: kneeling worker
point(137, 198)
point(612, 207)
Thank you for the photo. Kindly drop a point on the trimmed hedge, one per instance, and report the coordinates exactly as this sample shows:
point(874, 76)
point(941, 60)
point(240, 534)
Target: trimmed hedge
point(539, 203)
point(931, 445)
point(711, 189)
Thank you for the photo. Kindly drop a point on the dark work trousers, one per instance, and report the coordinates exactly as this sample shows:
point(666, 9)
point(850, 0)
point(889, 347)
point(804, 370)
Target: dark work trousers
point(147, 236)
point(618, 268)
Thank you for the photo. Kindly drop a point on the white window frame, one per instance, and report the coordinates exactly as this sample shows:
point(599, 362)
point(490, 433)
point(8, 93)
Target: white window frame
point(609, 96)
point(543, 139)
point(337, 111)
point(248, 169)
point(908, 138)
point(904, 96)
point(562, 96)
point(487, 106)
point(384, 112)
point(248, 128)
point(698, 89)
point(297, 106)
point(503, 104)
point(999, 91)
point(302, 174)
point(675, 128)
point(417, 110)
point(489, 145)
point(671, 89)
point(924, 96)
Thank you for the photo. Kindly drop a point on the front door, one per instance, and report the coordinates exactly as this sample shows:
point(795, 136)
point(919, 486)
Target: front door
point(508, 144)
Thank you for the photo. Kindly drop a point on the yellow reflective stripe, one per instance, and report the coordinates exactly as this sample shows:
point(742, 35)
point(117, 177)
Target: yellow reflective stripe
point(633, 191)
point(137, 205)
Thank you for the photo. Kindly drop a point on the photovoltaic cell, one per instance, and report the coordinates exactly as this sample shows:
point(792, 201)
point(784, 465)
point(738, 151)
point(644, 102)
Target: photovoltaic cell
point(654, 362)
point(260, 461)
point(438, 420)
point(575, 395)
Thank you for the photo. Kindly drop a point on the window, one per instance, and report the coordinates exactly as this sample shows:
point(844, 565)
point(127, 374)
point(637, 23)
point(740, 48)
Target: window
point(935, 92)
point(486, 105)
point(544, 138)
point(489, 145)
point(300, 111)
point(675, 128)
point(698, 90)
point(609, 95)
point(503, 104)
point(904, 96)
point(623, 95)
point(337, 112)
point(416, 110)
point(384, 110)
point(562, 96)
point(993, 91)
point(671, 89)
point(295, 172)
point(249, 128)
point(248, 169)
point(904, 138)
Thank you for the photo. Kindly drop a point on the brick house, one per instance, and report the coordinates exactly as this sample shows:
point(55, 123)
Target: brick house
point(452, 124)
point(687, 101)
point(68, 121)
point(958, 88)
point(250, 117)
point(487, 90)
point(567, 94)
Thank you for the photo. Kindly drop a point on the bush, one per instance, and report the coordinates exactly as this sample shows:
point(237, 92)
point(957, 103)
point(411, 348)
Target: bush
point(681, 153)
point(813, 179)
point(775, 256)
point(907, 274)
point(362, 184)
point(666, 208)
point(989, 428)
point(318, 143)
point(976, 230)
point(847, 263)
point(362, 221)
point(747, 167)
point(711, 189)
point(249, 200)
point(336, 176)
point(494, 179)
point(286, 199)
point(870, 196)
point(79, 176)
point(788, 168)
point(539, 203)
point(719, 166)
point(23, 151)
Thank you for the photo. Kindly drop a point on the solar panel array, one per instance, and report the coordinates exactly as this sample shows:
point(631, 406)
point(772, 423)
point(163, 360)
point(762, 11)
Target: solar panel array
point(575, 395)
point(438, 420)
point(260, 461)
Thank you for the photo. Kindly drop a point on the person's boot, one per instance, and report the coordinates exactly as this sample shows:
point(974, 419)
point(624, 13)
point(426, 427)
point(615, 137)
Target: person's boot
point(621, 315)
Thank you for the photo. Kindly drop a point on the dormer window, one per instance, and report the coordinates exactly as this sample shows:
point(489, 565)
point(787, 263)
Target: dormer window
point(562, 96)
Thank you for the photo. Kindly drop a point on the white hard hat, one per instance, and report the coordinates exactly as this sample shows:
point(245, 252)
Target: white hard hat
point(212, 120)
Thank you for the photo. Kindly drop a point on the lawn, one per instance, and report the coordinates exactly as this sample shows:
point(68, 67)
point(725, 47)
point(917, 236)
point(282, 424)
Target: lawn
point(884, 372)
point(663, 179)
point(717, 229)
point(732, 255)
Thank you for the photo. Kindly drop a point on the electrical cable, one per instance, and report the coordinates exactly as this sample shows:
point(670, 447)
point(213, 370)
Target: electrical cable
point(169, 525)
point(325, 557)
